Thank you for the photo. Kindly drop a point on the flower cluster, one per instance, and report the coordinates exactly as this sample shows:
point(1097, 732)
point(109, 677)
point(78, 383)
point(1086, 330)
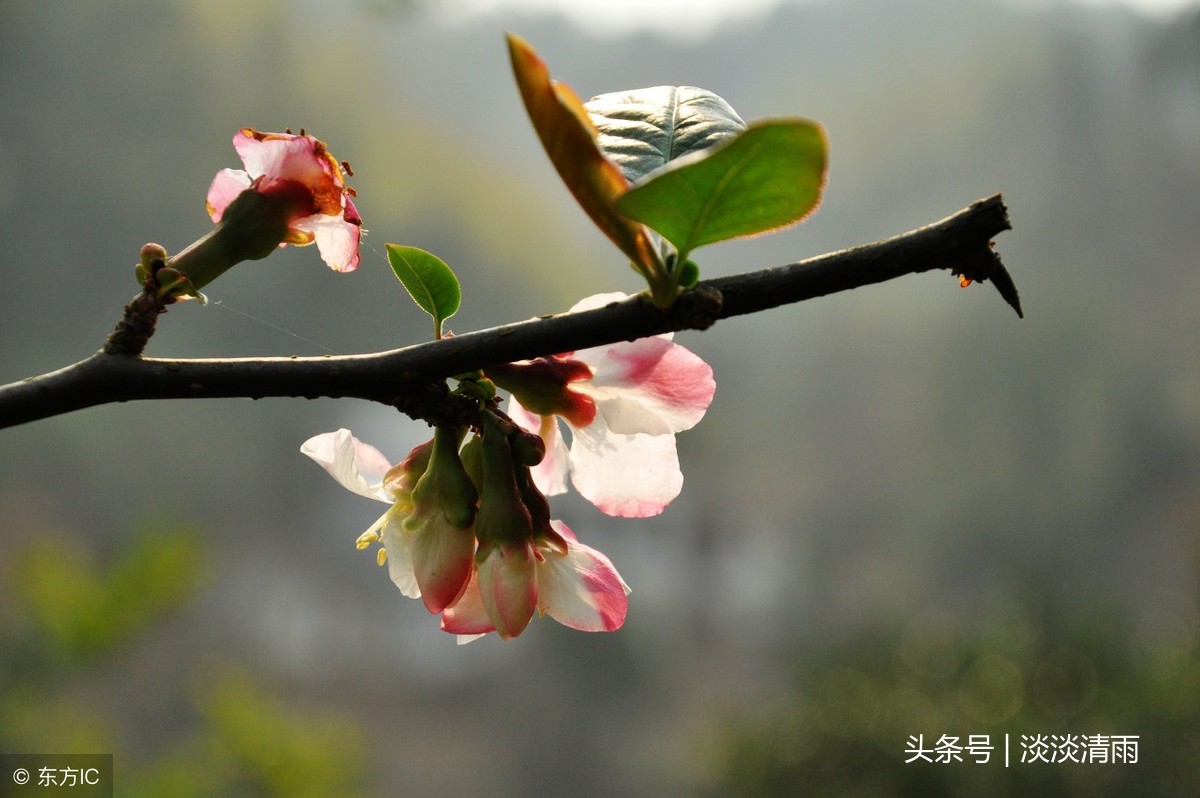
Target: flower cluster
point(469, 528)
point(486, 557)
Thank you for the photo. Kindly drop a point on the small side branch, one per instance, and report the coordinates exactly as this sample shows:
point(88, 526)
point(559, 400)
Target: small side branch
point(409, 378)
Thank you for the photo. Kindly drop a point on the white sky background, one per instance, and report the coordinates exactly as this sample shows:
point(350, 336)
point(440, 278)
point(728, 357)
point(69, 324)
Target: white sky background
point(688, 18)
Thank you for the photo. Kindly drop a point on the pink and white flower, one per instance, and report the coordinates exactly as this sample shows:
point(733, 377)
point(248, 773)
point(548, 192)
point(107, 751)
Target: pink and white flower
point(300, 171)
point(426, 534)
point(623, 403)
point(574, 584)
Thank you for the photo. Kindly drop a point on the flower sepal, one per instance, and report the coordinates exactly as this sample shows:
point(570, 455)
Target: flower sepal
point(440, 526)
point(251, 228)
point(543, 386)
point(400, 480)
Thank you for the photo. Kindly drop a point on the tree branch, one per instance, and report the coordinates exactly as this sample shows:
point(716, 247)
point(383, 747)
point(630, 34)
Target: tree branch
point(411, 378)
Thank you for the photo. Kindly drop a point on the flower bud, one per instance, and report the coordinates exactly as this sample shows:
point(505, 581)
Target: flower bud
point(153, 258)
point(502, 513)
point(506, 556)
point(508, 585)
point(543, 386)
point(401, 478)
point(443, 511)
point(528, 448)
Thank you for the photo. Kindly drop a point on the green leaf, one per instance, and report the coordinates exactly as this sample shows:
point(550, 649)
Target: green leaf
point(428, 280)
point(645, 129)
point(769, 176)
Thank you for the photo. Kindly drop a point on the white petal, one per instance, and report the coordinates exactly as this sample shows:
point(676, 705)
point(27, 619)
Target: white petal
point(601, 300)
point(633, 476)
point(550, 475)
point(224, 189)
point(582, 589)
point(598, 301)
point(357, 466)
point(398, 541)
point(337, 240)
point(650, 385)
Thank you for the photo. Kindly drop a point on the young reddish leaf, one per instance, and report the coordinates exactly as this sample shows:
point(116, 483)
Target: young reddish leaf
point(569, 138)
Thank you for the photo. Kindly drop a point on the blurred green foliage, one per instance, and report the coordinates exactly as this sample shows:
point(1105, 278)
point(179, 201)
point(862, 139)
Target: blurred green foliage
point(84, 610)
point(843, 725)
point(867, 455)
point(70, 619)
point(249, 743)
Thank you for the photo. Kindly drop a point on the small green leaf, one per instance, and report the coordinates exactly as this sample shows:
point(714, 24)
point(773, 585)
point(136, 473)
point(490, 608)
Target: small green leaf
point(428, 280)
point(769, 176)
point(644, 129)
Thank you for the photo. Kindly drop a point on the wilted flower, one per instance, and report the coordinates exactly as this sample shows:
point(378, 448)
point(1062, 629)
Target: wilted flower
point(291, 192)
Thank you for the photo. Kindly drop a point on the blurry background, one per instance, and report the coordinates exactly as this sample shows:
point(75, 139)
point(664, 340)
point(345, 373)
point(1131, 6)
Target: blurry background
point(906, 513)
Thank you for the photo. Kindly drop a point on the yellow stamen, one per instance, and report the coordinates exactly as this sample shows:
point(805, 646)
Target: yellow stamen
point(366, 538)
point(381, 556)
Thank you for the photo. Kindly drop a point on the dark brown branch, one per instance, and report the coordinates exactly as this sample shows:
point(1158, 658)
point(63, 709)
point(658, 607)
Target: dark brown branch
point(410, 378)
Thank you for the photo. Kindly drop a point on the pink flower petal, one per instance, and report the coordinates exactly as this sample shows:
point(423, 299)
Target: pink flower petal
point(468, 615)
point(581, 589)
point(280, 157)
point(508, 587)
point(632, 476)
point(357, 466)
point(566, 533)
point(257, 156)
point(442, 558)
point(224, 189)
point(650, 385)
point(350, 212)
point(550, 475)
point(337, 239)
